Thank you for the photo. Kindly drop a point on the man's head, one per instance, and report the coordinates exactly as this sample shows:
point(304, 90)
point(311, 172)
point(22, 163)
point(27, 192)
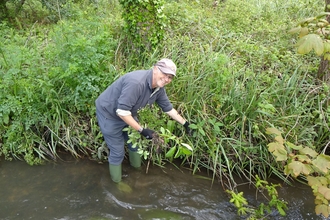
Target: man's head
point(163, 72)
point(166, 66)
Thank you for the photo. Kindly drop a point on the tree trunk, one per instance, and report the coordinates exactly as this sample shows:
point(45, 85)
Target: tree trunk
point(324, 71)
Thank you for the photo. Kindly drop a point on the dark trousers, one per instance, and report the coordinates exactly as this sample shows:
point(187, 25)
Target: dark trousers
point(114, 136)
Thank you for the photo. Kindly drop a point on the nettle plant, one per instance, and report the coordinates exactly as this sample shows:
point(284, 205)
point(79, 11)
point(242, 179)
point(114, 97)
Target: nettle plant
point(305, 162)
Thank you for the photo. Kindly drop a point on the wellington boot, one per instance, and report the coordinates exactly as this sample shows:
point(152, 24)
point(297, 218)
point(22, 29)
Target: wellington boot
point(134, 159)
point(115, 172)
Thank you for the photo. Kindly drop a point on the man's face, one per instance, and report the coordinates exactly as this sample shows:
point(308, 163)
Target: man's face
point(161, 79)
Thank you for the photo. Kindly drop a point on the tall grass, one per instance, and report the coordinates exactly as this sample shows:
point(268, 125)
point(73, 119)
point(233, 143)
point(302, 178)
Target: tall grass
point(238, 74)
point(242, 72)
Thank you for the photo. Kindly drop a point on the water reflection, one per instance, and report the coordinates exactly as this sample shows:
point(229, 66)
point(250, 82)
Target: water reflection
point(83, 190)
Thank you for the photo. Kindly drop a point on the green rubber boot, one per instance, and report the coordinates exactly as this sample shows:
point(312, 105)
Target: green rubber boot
point(115, 172)
point(134, 159)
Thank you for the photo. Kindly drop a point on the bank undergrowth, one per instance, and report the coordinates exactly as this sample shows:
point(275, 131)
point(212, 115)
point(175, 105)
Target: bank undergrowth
point(238, 74)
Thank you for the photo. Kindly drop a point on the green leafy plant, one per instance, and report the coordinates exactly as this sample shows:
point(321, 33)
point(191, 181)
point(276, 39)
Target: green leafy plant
point(314, 34)
point(162, 141)
point(50, 89)
point(239, 201)
point(306, 162)
point(263, 209)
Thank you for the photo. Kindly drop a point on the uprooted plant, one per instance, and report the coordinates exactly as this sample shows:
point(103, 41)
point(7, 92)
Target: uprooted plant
point(164, 146)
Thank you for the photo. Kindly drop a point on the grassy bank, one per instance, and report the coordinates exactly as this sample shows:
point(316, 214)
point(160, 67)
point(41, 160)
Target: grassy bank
point(238, 74)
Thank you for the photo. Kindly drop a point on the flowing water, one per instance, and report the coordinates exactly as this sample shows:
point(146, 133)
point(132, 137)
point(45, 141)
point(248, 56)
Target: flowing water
point(82, 189)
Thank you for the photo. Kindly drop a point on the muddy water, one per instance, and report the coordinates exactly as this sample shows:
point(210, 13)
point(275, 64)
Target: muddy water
point(82, 189)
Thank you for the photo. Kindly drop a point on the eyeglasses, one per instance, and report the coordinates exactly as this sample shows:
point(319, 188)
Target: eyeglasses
point(168, 76)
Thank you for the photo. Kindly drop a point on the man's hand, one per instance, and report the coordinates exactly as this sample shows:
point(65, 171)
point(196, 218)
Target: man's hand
point(188, 130)
point(147, 133)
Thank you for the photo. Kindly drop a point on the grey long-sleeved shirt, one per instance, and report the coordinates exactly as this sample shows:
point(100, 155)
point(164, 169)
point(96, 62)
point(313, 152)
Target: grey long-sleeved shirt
point(131, 92)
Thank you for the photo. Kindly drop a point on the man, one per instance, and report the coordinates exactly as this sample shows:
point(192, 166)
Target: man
point(117, 107)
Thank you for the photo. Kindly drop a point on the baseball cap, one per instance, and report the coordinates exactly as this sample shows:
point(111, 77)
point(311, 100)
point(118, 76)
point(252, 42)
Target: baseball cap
point(166, 66)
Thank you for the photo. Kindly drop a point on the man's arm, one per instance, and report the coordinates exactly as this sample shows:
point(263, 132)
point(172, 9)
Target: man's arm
point(176, 116)
point(128, 119)
point(147, 133)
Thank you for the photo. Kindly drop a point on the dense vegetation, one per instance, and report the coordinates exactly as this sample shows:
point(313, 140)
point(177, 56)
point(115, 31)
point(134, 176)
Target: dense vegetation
point(238, 74)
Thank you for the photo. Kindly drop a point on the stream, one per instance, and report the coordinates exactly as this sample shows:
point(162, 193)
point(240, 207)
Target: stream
point(82, 189)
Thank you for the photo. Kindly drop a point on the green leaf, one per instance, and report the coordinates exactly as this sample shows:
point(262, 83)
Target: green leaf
point(281, 154)
point(307, 20)
point(323, 180)
point(303, 45)
point(309, 42)
point(325, 191)
point(292, 146)
point(145, 155)
point(170, 125)
point(327, 56)
point(218, 124)
point(269, 107)
point(193, 126)
point(298, 167)
point(303, 158)
point(279, 139)
point(171, 152)
point(322, 209)
point(186, 152)
point(322, 162)
point(303, 32)
point(308, 151)
point(201, 131)
point(275, 146)
point(178, 153)
point(294, 30)
point(313, 181)
point(273, 131)
point(280, 210)
point(326, 46)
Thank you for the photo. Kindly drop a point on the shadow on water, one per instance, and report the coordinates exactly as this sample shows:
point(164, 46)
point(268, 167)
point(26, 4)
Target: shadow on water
point(83, 190)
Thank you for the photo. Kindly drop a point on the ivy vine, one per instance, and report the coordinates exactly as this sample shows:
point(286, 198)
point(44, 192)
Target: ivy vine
point(144, 23)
